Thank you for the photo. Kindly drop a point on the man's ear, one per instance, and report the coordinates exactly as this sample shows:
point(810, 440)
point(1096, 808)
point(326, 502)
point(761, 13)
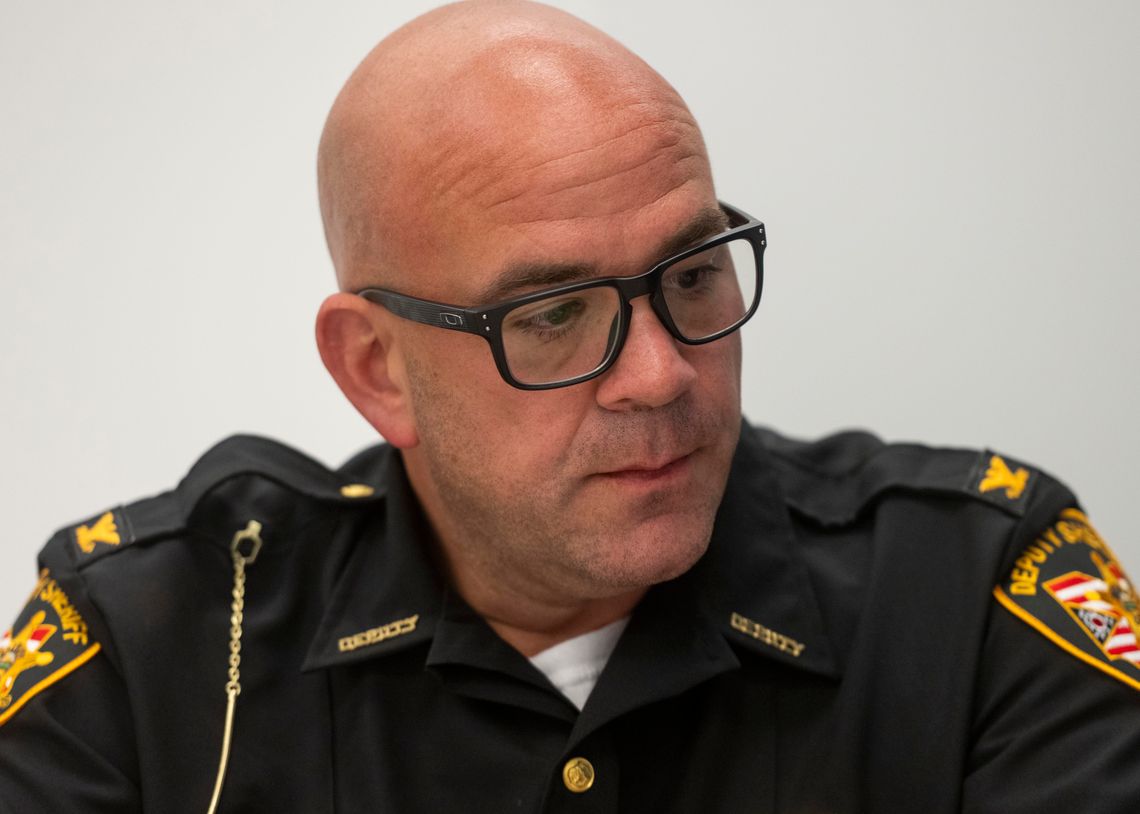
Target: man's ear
point(358, 349)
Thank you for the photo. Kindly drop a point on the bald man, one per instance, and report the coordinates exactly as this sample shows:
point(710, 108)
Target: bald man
point(572, 579)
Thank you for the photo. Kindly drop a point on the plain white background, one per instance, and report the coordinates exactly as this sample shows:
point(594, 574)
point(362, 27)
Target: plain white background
point(952, 193)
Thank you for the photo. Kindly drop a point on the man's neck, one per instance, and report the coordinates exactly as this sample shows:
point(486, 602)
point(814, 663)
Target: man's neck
point(530, 637)
point(525, 614)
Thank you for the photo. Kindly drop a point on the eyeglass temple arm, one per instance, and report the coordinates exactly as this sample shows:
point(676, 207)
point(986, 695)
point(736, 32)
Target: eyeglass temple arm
point(423, 311)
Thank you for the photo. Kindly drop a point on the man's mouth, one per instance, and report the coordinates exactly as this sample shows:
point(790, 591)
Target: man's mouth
point(651, 470)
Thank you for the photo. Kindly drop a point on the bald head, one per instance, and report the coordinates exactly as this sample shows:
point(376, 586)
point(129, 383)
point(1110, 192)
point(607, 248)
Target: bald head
point(482, 108)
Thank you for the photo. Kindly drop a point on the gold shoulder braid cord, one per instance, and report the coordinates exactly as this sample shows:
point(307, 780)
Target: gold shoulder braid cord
point(251, 534)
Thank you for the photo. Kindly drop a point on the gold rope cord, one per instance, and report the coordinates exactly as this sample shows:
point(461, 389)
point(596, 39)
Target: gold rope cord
point(251, 534)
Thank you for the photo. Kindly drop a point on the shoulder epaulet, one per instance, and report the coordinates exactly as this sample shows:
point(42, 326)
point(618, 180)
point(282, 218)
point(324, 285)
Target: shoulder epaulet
point(236, 458)
point(832, 480)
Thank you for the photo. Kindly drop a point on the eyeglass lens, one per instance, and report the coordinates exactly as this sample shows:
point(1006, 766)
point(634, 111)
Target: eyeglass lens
point(568, 335)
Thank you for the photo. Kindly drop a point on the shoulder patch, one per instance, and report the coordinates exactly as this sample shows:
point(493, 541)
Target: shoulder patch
point(1069, 586)
point(48, 641)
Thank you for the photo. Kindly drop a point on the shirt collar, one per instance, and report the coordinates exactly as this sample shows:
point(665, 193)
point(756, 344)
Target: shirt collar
point(389, 595)
point(753, 583)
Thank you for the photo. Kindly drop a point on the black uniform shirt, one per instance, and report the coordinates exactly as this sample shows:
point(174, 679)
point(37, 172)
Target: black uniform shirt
point(840, 648)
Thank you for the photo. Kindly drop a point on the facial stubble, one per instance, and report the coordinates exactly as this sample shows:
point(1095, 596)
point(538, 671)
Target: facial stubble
point(548, 536)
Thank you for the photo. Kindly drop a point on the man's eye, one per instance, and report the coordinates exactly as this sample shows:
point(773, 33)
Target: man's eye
point(548, 320)
point(690, 277)
point(561, 312)
point(693, 279)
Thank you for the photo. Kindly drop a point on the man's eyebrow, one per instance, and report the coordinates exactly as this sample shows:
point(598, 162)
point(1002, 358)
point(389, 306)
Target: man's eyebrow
point(534, 276)
point(708, 222)
point(537, 276)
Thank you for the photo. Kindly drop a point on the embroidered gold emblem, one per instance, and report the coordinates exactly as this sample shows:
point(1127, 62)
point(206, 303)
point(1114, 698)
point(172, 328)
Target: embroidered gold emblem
point(103, 531)
point(48, 591)
point(785, 644)
point(375, 635)
point(21, 652)
point(1000, 476)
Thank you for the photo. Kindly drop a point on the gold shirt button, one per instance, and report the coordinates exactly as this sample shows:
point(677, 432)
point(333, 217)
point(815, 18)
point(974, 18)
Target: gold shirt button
point(357, 490)
point(578, 774)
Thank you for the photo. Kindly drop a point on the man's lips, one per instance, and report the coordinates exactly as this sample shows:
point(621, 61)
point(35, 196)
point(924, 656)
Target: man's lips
point(650, 470)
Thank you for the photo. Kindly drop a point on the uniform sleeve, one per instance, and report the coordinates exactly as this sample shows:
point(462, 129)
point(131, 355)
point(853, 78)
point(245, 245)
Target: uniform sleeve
point(70, 747)
point(1057, 714)
point(66, 734)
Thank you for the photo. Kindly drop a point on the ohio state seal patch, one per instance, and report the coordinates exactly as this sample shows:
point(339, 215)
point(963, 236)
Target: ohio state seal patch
point(48, 641)
point(1069, 586)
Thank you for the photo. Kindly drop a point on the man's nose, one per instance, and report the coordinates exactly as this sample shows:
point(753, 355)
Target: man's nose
point(650, 370)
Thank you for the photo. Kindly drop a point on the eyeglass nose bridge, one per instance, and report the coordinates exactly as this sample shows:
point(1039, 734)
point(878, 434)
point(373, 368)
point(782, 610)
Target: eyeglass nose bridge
point(630, 289)
point(650, 283)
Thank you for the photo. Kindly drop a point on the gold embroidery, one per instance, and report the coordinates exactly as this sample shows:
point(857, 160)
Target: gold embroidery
point(48, 590)
point(104, 531)
point(999, 476)
point(22, 652)
point(784, 644)
point(1073, 528)
point(378, 634)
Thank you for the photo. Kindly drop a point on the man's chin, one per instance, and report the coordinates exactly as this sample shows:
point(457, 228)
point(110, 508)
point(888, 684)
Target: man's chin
point(656, 552)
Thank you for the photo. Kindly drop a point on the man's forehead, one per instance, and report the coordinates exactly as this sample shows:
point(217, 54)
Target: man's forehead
point(570, 152)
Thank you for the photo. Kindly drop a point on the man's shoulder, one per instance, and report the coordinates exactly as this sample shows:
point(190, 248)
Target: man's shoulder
point(950, 524)
point(241, 478)
point(149, 580)
point(835, 479)
point(170, 556)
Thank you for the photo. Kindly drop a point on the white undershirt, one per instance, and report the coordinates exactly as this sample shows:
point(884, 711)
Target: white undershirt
point(573, 666)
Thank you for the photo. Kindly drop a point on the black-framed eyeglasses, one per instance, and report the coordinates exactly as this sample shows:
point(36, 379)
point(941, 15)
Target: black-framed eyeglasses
point(572, 333)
